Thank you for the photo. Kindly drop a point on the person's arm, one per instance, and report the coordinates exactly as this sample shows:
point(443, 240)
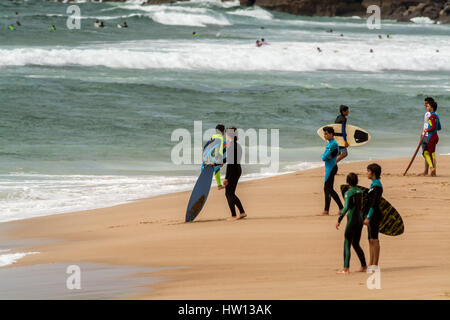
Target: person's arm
point(374, 197)
point(432, 119)
point(344, 131)
point(326, 154)
point(346, 206)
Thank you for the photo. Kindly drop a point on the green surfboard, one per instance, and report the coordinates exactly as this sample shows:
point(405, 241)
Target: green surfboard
point(391, 223)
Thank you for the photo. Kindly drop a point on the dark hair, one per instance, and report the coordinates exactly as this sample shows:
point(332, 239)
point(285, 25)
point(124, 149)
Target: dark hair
point(434, 105)
point(329, 130)
point(429, 100)
point(220, 127)
point(262, 39)
point(352, 179)
point(375, 169)
point(343, 108)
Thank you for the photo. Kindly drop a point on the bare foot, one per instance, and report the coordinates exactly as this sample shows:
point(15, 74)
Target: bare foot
point(433, 172)
point(343, 271)
point(324, 213)
point(242, 215)
point(232, 218)
point(362, 269)
point(220, 187)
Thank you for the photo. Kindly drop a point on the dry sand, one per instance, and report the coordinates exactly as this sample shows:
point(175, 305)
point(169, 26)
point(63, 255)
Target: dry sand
point(281, 251)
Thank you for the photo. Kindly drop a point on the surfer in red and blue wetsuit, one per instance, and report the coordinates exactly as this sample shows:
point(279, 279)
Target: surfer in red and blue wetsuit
point(373, 218)
point(434, 125)
point(331, 168)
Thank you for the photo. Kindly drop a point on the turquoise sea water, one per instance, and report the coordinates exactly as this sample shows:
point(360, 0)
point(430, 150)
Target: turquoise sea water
point(87, 115)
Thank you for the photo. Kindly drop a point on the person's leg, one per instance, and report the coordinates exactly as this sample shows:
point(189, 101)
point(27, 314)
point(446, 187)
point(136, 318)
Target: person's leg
point(359, 251)
point(347, 252)
point(376, 251)
point(424, 148)
point(230, 189)
point(333, 193)
point(326, 190)
point(341, 156)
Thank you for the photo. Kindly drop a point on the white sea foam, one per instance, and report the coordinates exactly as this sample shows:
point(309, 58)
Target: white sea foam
point(254, 12)
point(422, 20)
point(239, 56)
point(11, 258)
point(180, 15)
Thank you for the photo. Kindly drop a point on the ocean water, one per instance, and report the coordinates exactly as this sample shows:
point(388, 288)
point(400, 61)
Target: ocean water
point(87, 115)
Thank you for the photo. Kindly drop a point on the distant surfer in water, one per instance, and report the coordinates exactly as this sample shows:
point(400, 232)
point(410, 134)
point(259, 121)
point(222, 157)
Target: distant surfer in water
point(331, 168)
point(264, 43)
point(342, 119)
point(52, 27)
point(11, 27)
point(234, 171)
point(353, 207)
point(373, 218)
point(432, 138)
point(258, 43)
point(194, 34)
point(122, 25)
point(99, 24)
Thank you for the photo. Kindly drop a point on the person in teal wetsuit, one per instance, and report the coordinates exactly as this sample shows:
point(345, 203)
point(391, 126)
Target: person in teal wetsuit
point(220, 132)
point(353, 209)
point(373, 218)
point(331, 168)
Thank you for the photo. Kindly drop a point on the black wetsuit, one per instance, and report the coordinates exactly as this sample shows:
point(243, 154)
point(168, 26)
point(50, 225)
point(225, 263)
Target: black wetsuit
point(234, 171)
point(353, 205)
point(374, 215)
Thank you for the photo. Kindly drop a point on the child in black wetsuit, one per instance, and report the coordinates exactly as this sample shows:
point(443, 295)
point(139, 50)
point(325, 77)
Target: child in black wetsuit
point(234, 171)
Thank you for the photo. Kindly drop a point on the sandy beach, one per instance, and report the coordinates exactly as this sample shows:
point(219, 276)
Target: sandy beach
point(281, 251)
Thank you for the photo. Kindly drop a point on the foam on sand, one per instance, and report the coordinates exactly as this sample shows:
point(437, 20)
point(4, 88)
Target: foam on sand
point(11, 258)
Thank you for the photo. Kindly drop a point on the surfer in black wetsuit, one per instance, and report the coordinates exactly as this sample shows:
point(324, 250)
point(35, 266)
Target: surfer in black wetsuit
point(342, 119)
point(234, 171)
point(373, 218)
point(352, 207)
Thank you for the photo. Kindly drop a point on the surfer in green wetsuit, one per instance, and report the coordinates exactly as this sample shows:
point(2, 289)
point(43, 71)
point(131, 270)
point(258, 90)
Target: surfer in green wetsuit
point(373, 218)
point(220, 132)
point(352, 207)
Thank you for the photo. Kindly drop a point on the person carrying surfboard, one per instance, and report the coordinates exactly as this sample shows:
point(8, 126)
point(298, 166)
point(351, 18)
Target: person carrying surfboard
point(234, 171)
point(434, 125)
point(373, 217)
point(342, 119)
point(331, 168)
point(353, 207)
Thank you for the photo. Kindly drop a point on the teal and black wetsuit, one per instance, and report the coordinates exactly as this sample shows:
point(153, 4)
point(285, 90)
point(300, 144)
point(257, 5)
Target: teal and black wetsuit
point(352, 207)
point(329, 156)
point(374, 215)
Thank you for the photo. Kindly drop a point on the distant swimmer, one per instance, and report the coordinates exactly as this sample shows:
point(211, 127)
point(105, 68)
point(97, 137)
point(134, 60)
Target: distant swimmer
point(330, 31)
point(123, 25)
point(262, 28)
point(11, 27)
point(388, 36)
point(99, 24)
point(437, 51)
point(380, 37)
point(194, 34)
point(342, 34)
point(258, 43)
point(18, 23)
point(264, 43)
point(52, 28)
point(371, 50)
point(318, 49)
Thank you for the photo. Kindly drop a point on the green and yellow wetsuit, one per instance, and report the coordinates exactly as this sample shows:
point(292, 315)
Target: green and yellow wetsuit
point(352, 207)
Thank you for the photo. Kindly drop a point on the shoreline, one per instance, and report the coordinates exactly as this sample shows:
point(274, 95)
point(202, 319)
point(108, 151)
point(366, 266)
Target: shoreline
point(281, 251)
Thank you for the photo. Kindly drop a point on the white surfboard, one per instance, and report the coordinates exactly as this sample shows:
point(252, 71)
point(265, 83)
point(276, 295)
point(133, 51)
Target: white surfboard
point(356, 137)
